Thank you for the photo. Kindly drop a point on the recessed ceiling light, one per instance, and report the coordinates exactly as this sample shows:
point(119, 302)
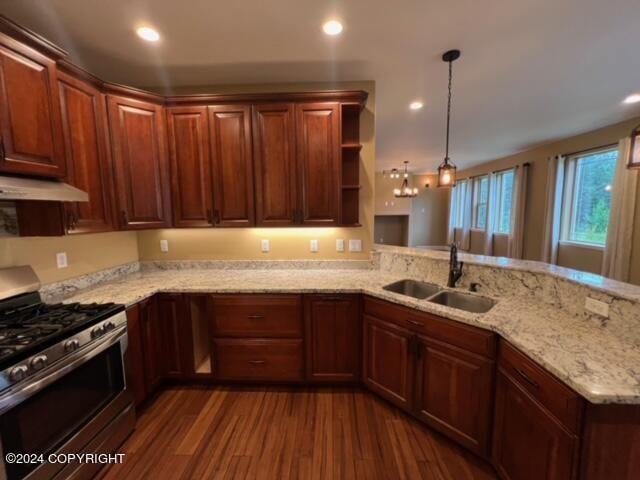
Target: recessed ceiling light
point(417, 105)
point(332, 27)
point(634, 98)
point(149, 34)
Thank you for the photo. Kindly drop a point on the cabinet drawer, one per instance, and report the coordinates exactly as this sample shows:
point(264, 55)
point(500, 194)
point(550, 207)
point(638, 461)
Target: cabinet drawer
point(257, 316)
point(560, 400)
point(467, 337)
point(383, 310)
point(258, 359)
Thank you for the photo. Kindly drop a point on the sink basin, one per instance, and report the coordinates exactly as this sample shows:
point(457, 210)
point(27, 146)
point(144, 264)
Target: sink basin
point(412, 288)
point(462, 301)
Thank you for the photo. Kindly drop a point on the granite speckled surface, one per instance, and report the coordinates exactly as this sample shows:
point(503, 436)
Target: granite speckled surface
point(595, 360)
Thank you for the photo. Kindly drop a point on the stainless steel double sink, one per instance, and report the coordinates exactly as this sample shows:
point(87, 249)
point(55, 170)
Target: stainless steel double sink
point(434, 294)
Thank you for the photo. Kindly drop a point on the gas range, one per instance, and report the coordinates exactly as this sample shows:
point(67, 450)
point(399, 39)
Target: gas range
point(63, 381)
point(28, 326)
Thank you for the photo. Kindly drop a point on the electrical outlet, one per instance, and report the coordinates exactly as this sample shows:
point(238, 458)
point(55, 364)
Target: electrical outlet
point(265, 245)
point(596, 306)
point(339, 245)
point(313, 245)
point(164, 245)
point(61, 260)
point(355, 245)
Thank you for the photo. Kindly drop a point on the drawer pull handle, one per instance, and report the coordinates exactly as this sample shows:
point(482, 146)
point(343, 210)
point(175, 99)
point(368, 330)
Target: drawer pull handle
point(416, 323)
point(257, 362)
point(527, 378)
point(255, 317)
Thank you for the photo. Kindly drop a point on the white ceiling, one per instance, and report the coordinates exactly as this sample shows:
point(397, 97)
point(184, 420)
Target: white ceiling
point(531, 70)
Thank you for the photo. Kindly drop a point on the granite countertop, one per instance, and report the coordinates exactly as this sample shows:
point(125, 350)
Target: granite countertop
point(600, 366)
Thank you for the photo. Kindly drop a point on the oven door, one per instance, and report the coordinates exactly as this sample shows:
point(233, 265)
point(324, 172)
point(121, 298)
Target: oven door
point(65, 407)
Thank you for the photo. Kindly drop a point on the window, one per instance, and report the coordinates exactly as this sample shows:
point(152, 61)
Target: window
point(480, 199)
point(504, 201)
point(587, 200)
point(458, 200)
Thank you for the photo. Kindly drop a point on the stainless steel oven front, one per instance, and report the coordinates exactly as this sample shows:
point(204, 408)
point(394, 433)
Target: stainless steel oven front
point(78, 405)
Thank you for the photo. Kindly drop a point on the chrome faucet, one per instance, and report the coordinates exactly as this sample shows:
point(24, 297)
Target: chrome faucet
point(455, 267)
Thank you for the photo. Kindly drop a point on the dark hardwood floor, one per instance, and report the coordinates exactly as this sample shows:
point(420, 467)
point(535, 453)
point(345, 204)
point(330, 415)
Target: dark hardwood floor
point(282, 433)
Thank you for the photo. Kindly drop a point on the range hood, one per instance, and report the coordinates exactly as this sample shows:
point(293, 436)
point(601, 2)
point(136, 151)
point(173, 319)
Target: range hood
point(15, 188)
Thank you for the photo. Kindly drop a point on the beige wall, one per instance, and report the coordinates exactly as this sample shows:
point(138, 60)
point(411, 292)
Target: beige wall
point(429, 213)
point(85, 253)
point(536, 188)
point(286, 243)
point(385, 202)
point(391, 230)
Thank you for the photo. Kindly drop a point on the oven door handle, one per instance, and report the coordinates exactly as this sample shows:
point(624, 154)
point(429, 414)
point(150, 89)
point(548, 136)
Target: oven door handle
point(46, 377)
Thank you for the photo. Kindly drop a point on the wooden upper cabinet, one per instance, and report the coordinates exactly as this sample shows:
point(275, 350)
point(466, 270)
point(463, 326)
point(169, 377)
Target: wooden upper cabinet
point(30, 123)
point(274, 152)
point(319, 162)
point(190, 161)
point(139, 163)
point(88, 168)
point(232, 165)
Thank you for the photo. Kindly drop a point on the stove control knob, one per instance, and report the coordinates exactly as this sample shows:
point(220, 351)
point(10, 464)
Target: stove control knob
point(97, 331)
point(109, 326)
point(38, 362)
point(71, 345)
point(18, 373)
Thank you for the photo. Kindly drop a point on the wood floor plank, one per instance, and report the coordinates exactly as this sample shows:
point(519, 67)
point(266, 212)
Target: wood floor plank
point(194, 433)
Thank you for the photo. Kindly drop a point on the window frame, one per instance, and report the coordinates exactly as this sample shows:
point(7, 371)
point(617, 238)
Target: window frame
point(477, 188)
point(498, 198)
point(460, 191)
point(569, 197)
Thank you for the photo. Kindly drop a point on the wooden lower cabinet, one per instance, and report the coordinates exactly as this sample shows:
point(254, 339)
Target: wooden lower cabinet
point(160, 344)
point(529, 443)
point(454, 393)
point(273, 360)
point(388, 361)
point(135, 356)
point(332, 327)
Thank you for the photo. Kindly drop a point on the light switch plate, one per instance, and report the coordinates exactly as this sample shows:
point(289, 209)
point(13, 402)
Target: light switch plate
point(61, 260)
point(313, 245)
point(355, 245)
point(164, 245)
point(265, 245)
point(596, 306)
point(339, 245)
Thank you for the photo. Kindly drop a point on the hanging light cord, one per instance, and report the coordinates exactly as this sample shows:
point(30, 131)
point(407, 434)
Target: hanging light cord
point(449, 109)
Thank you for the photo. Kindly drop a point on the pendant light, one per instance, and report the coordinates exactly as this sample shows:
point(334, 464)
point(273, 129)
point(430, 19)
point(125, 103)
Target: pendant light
point(447, 169)
point(405, 191)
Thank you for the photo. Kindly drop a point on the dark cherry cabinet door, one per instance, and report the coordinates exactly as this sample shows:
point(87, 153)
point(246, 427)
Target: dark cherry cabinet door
point(30, 123)
point(319, 162)
point(332, 337)
point(529, 443)
point(388, 361)
point(192, 196)
point(135, 356)
point(232, 165)
point(83, 121)
point(454, 393)
point(138, 144)
point(175, 333)
point(151, 345)
point(274, 153)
